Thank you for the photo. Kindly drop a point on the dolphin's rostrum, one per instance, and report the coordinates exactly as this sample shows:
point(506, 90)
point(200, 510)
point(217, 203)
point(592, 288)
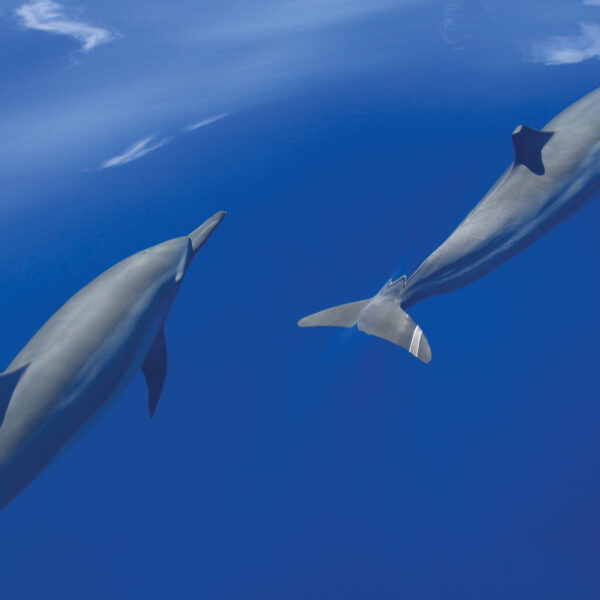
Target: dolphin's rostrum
point(86, 354)
point(555, 171)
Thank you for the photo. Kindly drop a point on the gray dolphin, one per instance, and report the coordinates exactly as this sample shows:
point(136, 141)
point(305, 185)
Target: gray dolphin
point(555, 171)
point(87, 353)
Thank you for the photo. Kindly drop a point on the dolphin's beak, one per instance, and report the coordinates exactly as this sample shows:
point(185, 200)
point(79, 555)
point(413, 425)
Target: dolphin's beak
point(200, 235)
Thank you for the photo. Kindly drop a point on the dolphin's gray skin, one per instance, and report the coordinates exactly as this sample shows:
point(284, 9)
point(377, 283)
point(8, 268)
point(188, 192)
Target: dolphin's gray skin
point(86, 354)
point(555, 171)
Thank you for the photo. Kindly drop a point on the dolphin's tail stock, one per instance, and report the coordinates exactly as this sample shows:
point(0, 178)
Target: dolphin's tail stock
point(381, 316)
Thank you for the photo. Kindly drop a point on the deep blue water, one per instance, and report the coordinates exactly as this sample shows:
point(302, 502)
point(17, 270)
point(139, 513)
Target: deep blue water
point(289, 463)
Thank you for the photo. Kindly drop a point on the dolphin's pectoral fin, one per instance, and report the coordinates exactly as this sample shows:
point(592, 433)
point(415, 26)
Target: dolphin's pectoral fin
point(8, 383)
point(155, 370)
point(528, 143)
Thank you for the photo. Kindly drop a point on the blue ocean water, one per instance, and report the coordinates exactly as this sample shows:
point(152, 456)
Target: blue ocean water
point(289, 463)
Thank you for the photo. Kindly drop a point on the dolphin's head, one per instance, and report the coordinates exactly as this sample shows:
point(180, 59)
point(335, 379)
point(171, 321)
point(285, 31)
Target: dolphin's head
point(182, 250)
point(175, 256)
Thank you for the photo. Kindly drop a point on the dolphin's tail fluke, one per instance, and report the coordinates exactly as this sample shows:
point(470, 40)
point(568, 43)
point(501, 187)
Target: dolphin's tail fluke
point(343, 315)
point(381, 316)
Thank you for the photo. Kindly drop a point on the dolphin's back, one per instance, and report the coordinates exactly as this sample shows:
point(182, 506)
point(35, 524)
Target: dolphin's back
point(522, 205)
point(95, 310)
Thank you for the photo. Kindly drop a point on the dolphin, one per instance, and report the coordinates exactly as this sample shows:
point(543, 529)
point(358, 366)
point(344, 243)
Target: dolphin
point(86, 354)
point(555, 171)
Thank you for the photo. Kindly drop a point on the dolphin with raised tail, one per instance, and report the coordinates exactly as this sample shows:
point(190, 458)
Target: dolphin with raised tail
point(555, 171)
point(87, 353)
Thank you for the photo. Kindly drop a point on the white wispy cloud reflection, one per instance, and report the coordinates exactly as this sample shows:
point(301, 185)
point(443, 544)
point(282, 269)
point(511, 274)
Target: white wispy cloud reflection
point(204, 122)
point(205, 58)
point(150, 143)
point(136, 151)
point(46, 15)
point(569, 49)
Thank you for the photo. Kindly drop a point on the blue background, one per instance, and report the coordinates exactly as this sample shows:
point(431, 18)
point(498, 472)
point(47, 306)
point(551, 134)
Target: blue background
point(289, 463)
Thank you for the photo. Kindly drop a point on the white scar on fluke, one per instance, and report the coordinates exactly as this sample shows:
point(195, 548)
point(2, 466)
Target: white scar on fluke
point(555, 171)
point(87, 353)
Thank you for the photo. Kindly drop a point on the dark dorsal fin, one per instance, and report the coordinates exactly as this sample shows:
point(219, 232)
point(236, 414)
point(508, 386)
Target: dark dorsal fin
point(528, 143)
point(155, 370)
point(8, 383)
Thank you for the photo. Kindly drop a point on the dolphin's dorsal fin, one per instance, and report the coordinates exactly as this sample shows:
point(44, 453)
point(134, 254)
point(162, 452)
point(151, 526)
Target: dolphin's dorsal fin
point(155, 370)
point(8, 383)
point(528, 143)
